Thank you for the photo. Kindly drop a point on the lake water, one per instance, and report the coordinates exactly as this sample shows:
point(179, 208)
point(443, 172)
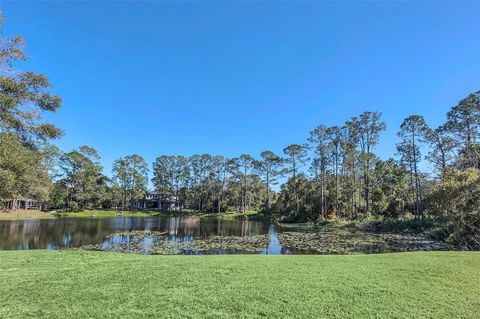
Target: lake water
point(192, 235)
point(108, 233)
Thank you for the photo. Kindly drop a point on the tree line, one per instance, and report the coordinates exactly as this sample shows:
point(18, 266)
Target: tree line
point(334, 172)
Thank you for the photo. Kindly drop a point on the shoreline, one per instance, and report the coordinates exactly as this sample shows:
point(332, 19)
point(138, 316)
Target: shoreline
point(36, 214)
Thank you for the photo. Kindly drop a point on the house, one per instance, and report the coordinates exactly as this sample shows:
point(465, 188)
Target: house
point(154, 201)
point(22, 203)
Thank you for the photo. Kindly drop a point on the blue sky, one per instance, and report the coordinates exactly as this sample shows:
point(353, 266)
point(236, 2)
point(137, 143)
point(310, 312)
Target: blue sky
point(228, 78)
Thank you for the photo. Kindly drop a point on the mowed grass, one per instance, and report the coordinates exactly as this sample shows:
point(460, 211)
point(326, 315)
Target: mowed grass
point(25, 214)
point(104, 213)
point(36, 214)
point(77, 284)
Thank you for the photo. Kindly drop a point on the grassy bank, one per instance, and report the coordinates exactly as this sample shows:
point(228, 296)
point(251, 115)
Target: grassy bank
point(25, 214)
point(75, 284)
point(33, 214)
point(113, 213)
point(231, 215)
point(104, 213)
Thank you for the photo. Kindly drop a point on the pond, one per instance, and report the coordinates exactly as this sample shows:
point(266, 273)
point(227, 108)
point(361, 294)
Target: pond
point(195, 235)
point(138, 233)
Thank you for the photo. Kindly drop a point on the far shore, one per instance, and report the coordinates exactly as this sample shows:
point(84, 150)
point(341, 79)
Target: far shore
point(37, 214)
point(25, 214)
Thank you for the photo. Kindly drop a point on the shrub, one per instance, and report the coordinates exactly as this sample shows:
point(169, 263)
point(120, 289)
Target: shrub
point(457, 199)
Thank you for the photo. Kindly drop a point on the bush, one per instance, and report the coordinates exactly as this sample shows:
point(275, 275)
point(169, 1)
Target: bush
point(457, 199)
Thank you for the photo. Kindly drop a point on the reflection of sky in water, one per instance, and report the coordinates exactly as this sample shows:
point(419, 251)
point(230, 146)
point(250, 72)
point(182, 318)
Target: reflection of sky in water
point(66, 239)
point(143, 243)
point(274, 247)
point(147, 244)
point(78, 232)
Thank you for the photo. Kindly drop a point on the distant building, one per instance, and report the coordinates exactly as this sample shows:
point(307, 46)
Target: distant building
point(154, 201)
point(22, 203)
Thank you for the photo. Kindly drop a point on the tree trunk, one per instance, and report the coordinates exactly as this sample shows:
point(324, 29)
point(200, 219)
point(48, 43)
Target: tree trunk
point(244, 199)
point(295, 185)
point(354, 213)
point(268, 191)
point(322, 187)
point(336, 178)
point(417, 184)
point(124, 198)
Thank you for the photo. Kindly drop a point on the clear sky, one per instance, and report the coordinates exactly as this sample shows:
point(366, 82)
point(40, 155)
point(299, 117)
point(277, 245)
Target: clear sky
point(228, 78)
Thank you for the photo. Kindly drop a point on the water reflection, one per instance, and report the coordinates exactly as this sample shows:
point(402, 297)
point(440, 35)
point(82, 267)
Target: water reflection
point(274, 247)
point(194, 235)
point(78, 232)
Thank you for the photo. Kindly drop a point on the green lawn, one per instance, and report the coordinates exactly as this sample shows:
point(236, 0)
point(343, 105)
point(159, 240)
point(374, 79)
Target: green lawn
point(25, 214)
point(231, 215)
point(35, 214)
point(76, 284)
point(104, 213)
point(112, 213)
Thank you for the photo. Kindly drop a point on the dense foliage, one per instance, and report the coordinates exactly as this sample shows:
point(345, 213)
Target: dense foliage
point(335, 174)
point(457, 199)
point(24, 150)
point(215, 183)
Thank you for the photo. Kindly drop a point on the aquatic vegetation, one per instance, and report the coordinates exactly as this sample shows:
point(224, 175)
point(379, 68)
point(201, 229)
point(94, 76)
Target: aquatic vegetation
point(347, 242)
point(161, 244)
point(138, 233)
point(305, 239)
point(234, 244)
point(247, 244)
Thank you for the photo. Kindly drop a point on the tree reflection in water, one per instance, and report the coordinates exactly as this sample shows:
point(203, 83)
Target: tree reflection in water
point(77, 232)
